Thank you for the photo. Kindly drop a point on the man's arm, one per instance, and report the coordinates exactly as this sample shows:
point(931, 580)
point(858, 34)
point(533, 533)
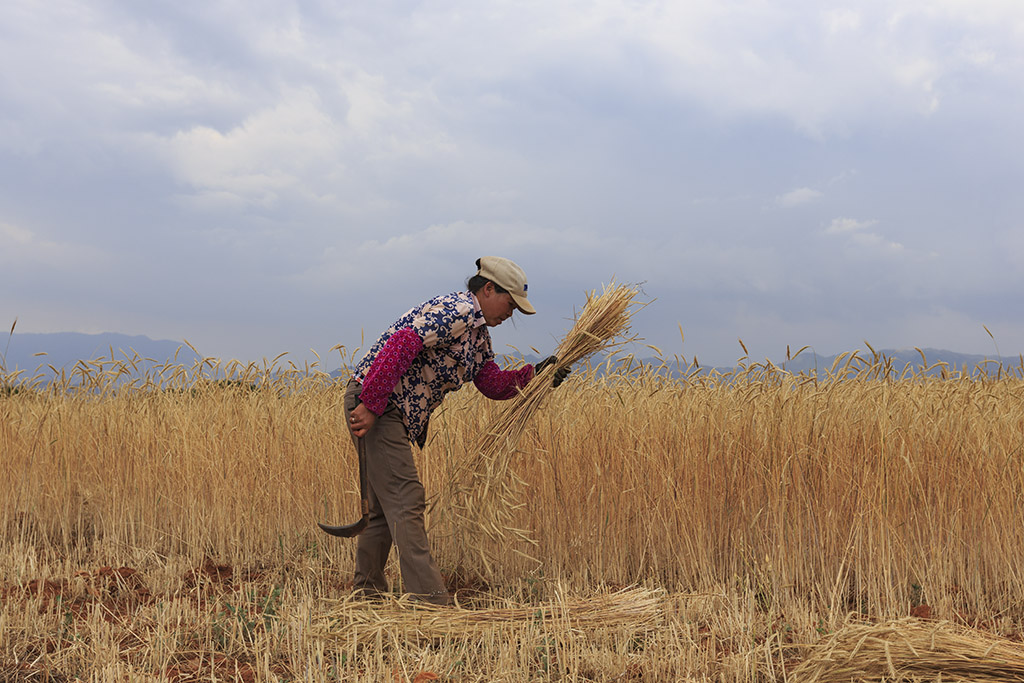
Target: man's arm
point(498, 384)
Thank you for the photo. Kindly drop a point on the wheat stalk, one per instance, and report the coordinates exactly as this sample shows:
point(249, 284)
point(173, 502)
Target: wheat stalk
point(486, 489)
point(911, 649)
point(354, 621)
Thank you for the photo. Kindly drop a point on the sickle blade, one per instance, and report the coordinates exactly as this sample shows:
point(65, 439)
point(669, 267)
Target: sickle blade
point(350, 530)
point(345, 531)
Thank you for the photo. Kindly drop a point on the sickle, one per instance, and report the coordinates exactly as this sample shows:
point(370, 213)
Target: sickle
point(354, 529)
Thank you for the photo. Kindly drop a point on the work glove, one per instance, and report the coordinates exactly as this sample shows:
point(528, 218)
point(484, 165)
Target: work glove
point(560, 373)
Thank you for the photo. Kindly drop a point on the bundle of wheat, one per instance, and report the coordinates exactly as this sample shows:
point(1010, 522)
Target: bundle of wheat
point(486, 490)
point(911, 650)
point(355, 621)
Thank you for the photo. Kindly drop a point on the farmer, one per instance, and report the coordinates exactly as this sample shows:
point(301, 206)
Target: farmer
point(430, 351)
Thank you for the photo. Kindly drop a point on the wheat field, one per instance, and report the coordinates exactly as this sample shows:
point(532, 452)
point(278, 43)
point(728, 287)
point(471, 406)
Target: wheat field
point(676, 526)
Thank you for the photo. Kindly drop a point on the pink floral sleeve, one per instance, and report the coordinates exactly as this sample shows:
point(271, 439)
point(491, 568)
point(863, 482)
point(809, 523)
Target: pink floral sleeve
point(388, 367)
point(493, 382)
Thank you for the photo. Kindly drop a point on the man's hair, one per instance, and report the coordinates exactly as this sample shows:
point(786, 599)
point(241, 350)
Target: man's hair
point(477, 282)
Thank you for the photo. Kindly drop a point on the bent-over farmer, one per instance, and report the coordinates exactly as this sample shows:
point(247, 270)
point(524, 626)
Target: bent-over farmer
point(430, 351)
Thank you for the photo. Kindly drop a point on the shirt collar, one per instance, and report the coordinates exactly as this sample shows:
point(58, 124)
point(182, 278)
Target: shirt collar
point(478, 313)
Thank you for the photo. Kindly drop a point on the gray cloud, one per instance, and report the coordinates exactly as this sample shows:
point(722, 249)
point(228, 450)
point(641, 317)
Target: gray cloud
point(801, 195)
point(278, 176)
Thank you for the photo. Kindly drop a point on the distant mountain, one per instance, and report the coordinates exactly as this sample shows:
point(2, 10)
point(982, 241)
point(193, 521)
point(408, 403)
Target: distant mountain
point(30, 352)
point(933, 362)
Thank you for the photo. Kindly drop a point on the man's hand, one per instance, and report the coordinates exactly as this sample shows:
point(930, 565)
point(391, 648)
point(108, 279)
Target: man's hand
point(560, 374)
point(360, 420)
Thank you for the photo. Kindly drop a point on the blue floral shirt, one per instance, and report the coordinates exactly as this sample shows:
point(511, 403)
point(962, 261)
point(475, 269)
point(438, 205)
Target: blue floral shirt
point(456, 345)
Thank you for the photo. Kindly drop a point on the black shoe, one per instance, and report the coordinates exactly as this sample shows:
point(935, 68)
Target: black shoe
point(368, 595)
point(437, 599)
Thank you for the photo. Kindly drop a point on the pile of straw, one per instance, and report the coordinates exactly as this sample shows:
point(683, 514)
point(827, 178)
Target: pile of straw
point(486, 490)
point(354, 621)
point(911, 649)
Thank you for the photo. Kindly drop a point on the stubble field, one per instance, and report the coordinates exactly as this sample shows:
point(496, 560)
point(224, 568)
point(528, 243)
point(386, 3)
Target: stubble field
point(728, 529)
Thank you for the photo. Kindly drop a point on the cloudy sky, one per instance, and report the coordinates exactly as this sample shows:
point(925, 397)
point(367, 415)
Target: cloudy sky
point(268, 176)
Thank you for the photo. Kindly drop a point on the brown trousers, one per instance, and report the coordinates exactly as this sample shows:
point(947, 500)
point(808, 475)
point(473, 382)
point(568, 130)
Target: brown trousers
point(397, 504)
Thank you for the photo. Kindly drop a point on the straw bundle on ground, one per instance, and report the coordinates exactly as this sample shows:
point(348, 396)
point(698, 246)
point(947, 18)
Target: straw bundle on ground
point(356, 621)
point(486, 491)
point(912, 650)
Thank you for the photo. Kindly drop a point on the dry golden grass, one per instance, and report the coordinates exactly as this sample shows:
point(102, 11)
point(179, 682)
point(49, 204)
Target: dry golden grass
point(348, 620)
point(168, 534)
point(484, 491)
point(912, 649)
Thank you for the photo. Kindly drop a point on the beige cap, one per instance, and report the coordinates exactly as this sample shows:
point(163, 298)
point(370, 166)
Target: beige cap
point(509, 277)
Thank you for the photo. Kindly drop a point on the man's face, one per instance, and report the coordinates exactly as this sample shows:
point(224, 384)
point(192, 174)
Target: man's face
point(497, 308)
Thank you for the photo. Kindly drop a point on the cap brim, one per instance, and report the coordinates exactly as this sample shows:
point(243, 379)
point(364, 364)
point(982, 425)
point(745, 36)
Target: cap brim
point(523, 304)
